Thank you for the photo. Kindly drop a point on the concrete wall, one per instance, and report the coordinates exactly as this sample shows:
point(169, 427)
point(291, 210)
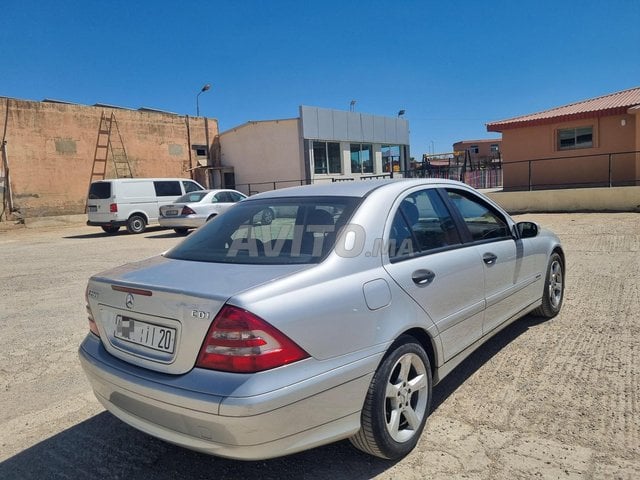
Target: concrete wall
point(51, 147)
point(615, 133)
point(617, 199)
point(264, 151)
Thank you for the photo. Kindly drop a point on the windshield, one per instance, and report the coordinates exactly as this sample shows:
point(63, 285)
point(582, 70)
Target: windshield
point(296, 230)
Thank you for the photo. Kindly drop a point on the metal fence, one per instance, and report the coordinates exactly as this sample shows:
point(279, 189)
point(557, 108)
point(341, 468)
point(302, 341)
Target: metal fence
point(601, 170)
point(578, 171)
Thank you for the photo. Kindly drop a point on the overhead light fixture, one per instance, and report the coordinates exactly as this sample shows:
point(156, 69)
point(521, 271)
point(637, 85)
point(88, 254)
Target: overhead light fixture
point(204, 88)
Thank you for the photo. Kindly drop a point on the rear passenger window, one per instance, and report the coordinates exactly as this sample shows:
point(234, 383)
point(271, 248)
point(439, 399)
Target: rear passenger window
point(167, 188)
point(223, 197)
point(482, 222)
point(422, 223)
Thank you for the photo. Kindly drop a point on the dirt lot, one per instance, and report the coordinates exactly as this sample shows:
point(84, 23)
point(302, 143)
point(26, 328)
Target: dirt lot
point(559, 399)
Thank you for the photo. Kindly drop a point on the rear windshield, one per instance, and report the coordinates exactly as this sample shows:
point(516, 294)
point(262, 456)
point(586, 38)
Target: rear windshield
point(191, 197)
point(297, 230)
point(100, 190)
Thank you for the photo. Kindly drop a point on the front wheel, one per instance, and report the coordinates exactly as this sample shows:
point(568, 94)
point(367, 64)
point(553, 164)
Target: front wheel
point(181, 231)
point(136, 224)
point(397, 403)
point(553, 292)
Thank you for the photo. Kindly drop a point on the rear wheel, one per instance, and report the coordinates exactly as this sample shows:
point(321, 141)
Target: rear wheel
point(136, 224)
point(267, 216)
point(181, 231)
point(553, 292)
point(110, 228)
point(211, 217)
point(397, 403)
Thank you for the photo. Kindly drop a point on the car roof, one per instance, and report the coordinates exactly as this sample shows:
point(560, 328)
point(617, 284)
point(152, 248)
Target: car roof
point(355, 188)
point(213, 190)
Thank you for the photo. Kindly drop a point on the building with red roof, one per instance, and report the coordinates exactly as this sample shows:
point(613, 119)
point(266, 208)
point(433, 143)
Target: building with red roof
point(593, 142)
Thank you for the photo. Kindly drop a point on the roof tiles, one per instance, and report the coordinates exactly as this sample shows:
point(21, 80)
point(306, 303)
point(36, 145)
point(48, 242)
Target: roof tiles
point(612, 104)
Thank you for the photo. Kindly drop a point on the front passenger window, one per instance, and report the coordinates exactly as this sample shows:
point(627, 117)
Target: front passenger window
point(190, 187)
point(483, 223)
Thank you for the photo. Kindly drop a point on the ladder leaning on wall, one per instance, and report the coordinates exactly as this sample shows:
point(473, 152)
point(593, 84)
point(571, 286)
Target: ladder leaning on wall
point(109, 142)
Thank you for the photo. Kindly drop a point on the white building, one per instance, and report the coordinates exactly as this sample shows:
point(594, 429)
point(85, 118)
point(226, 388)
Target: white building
point(321, 145)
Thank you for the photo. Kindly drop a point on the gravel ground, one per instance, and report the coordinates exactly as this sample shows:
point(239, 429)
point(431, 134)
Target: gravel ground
point(555, 399)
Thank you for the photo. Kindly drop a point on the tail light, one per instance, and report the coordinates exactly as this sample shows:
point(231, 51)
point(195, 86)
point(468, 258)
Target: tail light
point(92, 323)
point(187, 211)
point(113, 208)
point(241, 342)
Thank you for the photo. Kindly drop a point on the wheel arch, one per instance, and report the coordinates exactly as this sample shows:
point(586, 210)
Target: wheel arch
point(141, 214)
point(425, 340)
point(558, 249)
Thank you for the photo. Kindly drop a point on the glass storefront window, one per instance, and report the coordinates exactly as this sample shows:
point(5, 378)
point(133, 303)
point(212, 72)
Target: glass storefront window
point(390, 158)
point(326, 157)
point(361, 158)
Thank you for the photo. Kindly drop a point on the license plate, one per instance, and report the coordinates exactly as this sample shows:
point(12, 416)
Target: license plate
point(146, 334)
point(93, 208)
point(169, 213)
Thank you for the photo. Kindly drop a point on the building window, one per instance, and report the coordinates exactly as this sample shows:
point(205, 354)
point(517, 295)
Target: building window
point(201, 150)
point(474, 149)
point(361, 158)
point(390, 158)
point(495, 148)
point(570, 138)
point(326, 158)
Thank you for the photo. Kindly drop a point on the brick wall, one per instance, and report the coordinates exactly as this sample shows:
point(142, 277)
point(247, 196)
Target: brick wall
point(51, 146)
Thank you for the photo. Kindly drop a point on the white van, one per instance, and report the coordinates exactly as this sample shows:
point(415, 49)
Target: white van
point(133, 202)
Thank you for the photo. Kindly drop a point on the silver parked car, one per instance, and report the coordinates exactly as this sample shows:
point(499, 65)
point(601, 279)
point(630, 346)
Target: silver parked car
point(197, 208)
point(253, 340)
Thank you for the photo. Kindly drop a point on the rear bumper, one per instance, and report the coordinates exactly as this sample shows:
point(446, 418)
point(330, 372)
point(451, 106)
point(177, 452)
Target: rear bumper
point(181, 222)
point(111, 223)
point(265, 425)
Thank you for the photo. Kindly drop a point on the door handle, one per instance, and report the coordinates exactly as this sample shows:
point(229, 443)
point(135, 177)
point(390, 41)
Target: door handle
point(423, 277)
point(489, 258)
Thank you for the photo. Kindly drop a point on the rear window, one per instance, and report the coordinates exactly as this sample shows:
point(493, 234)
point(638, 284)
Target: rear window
point(191, 197)
point(253, 232)
point(100, 190)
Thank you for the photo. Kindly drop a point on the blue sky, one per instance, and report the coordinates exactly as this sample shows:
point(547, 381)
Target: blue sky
point(452, 65)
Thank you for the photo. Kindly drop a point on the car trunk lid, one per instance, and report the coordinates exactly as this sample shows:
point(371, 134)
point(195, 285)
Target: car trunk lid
point(156, 313)
point(171, 210)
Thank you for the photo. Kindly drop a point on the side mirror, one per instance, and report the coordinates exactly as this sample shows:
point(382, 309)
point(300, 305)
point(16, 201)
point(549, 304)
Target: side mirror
point(527, 229)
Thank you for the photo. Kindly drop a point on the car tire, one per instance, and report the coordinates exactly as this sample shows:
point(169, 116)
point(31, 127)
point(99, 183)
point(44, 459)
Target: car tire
point(181, 231)
point(553, 293)
point(211, 217)
point(136, 224)
point(267, 216)
point(110, 229)
point(397, 403)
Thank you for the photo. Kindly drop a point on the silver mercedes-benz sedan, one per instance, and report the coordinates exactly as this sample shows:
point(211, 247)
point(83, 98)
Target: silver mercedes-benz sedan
point(196, 208)
point(255, 339)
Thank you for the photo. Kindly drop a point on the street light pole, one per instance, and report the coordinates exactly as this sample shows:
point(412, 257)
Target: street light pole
point(204, 89)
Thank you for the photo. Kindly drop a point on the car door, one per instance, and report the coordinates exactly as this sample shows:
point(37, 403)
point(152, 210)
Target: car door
point(490, 233)
point(223, 201)
point(428, 260)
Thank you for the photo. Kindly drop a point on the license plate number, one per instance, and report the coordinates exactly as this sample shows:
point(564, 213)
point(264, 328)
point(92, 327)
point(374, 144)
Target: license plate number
point(147, 334)
point(171, 212)
point(93, 208)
